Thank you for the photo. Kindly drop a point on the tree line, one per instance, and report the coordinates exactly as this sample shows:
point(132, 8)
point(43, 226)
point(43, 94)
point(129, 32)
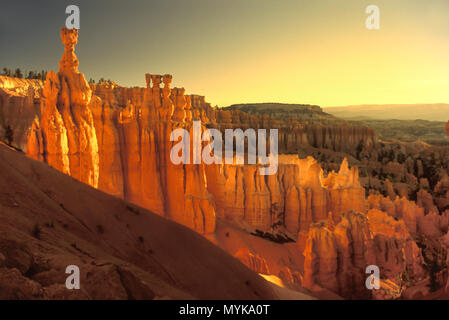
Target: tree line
point(102, 80)
point(17, 73)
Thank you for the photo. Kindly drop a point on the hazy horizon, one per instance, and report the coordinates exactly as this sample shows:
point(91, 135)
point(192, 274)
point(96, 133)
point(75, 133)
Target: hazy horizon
point(385, 104)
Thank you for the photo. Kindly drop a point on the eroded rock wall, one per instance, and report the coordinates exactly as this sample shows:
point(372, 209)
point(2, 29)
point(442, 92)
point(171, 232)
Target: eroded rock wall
point(294, 135)
point(296, 196)
point(336, 256)
point(118, 140)
point(19, 105)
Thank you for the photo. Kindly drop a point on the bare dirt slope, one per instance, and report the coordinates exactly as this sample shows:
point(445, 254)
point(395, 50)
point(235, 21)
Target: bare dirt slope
point(49, 221)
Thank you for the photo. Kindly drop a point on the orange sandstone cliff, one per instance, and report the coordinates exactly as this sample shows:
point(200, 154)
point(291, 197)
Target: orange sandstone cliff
point(123, 151)
point(65, 136)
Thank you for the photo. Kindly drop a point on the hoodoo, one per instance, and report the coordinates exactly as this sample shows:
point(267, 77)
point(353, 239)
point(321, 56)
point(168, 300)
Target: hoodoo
point(65, 135)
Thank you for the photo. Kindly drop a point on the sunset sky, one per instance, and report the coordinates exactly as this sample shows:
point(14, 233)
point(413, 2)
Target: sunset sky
point(238, 51)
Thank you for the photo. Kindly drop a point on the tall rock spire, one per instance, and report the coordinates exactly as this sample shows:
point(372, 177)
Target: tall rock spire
point(69, 60)
point(68, 138)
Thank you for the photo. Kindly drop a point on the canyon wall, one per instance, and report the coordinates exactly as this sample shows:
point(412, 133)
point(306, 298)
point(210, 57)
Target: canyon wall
point(294, 135)
point(19, 106)
point(296, 196)
point(124, 151)
point(135, 152)
point(117, 139)
point(337, 254)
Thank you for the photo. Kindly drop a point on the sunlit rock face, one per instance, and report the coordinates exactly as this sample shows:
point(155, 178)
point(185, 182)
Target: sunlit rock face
point(19, 104)
point(113, 138)
point(295, 197)
point(253, 262)
point(133, 127)
point(336, 256)
point(65, 135)
point(400, 208)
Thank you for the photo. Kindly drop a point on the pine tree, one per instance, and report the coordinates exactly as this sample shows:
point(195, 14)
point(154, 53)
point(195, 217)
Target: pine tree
point(6, 72)
point(18, 73)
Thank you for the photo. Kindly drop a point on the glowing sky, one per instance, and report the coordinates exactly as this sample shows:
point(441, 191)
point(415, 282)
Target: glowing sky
point(237, 51)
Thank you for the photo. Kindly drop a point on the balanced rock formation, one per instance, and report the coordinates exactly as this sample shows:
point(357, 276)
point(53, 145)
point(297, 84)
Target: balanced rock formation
point(65, 136)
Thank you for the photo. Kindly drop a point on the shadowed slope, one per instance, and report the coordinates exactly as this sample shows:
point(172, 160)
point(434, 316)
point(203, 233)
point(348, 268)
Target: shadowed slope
point(49, 221)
